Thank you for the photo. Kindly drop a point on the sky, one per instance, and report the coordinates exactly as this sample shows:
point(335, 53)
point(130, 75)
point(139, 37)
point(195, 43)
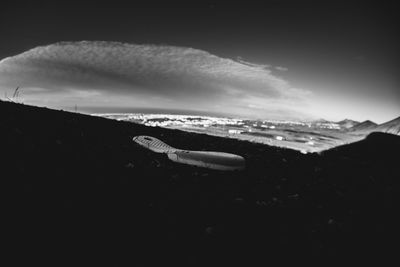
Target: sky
point(279, 60)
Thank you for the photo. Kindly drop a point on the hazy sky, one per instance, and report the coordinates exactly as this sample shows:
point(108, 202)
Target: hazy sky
point(279, 60)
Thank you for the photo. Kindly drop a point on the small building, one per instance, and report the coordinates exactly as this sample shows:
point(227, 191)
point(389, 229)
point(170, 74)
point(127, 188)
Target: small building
point(234, 131)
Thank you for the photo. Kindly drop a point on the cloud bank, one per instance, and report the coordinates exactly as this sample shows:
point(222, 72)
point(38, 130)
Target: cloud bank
point(120, 74)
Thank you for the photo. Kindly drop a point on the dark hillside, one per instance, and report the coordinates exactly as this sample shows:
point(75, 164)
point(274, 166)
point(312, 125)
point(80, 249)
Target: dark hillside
point(80, 192)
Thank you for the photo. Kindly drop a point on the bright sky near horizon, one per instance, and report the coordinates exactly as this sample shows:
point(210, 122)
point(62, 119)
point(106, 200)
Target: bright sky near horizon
point(280, 60)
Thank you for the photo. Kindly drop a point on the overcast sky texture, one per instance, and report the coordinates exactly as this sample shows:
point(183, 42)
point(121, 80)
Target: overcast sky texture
point(276, 61)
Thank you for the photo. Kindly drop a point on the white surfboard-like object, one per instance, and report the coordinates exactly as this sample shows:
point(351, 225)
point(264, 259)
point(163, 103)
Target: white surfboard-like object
point(206, 159)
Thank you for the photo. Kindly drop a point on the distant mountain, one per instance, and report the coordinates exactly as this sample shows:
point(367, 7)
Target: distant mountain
point(365, 126)
point(392, 127)
point(321, 121)
point(346, 123)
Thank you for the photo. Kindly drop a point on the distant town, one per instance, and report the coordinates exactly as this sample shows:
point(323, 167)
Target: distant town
point(307, 136)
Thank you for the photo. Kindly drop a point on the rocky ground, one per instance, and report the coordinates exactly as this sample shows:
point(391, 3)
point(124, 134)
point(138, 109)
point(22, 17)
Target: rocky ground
point(78, 191)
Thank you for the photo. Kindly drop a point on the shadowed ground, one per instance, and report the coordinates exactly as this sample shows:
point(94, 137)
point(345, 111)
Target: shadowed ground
point(78, 191)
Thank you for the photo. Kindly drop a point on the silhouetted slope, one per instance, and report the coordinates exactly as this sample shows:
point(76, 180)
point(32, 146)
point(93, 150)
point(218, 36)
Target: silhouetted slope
point(80, 192)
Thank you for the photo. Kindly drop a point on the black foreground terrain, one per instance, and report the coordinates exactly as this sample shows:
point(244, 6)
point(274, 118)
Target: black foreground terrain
point(78, 191)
